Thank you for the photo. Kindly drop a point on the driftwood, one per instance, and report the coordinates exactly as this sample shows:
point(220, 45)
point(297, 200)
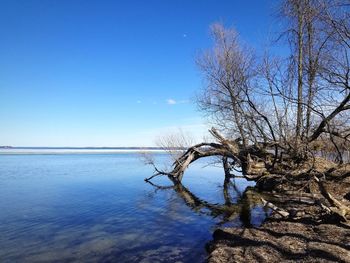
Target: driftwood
point(278, 210)
point(336, 206)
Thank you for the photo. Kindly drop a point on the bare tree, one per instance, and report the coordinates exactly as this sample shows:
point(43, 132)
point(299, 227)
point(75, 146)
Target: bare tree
point(270, 112)
point(175, 143)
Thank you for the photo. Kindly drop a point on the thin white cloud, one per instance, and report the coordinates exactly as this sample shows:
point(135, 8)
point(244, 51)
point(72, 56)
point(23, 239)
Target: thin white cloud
point(138, 102)
point(171, 101)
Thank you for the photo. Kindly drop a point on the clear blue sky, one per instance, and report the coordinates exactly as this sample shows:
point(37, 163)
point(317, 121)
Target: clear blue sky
point(109, 73)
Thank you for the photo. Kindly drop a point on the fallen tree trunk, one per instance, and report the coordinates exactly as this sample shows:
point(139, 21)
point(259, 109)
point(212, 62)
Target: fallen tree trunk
point(238, 155)
point(336, 206)
point(288, 178)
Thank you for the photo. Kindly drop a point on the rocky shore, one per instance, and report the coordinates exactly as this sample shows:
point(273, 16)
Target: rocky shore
point(308, 234)
point(281, 241)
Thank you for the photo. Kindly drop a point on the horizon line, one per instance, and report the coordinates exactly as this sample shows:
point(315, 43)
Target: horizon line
point(87, 147)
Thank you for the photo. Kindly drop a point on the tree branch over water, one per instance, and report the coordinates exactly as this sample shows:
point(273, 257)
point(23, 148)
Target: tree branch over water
point(273, 117)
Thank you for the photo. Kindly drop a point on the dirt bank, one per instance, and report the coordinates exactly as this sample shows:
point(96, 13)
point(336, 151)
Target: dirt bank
point(282, 241)
point(311, 235)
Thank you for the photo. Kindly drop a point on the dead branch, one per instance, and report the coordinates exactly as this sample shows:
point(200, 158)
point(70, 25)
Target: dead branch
point(336, 206)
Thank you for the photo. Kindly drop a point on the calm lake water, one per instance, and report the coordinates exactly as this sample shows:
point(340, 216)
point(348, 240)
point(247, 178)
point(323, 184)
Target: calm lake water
point(96, 207)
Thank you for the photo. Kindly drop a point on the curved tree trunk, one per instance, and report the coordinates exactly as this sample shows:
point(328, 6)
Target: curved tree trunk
point(230, 150)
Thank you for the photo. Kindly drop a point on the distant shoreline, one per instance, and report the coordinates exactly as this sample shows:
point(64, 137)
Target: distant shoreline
point(80, 150)
point(89, 148)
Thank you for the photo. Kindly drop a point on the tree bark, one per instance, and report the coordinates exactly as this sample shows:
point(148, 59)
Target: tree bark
point(299, 121)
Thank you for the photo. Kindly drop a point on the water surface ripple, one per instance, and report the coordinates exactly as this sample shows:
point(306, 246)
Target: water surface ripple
point(97, 208)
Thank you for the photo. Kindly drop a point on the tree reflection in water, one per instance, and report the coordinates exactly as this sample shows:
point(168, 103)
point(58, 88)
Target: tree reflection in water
point(229, 210)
